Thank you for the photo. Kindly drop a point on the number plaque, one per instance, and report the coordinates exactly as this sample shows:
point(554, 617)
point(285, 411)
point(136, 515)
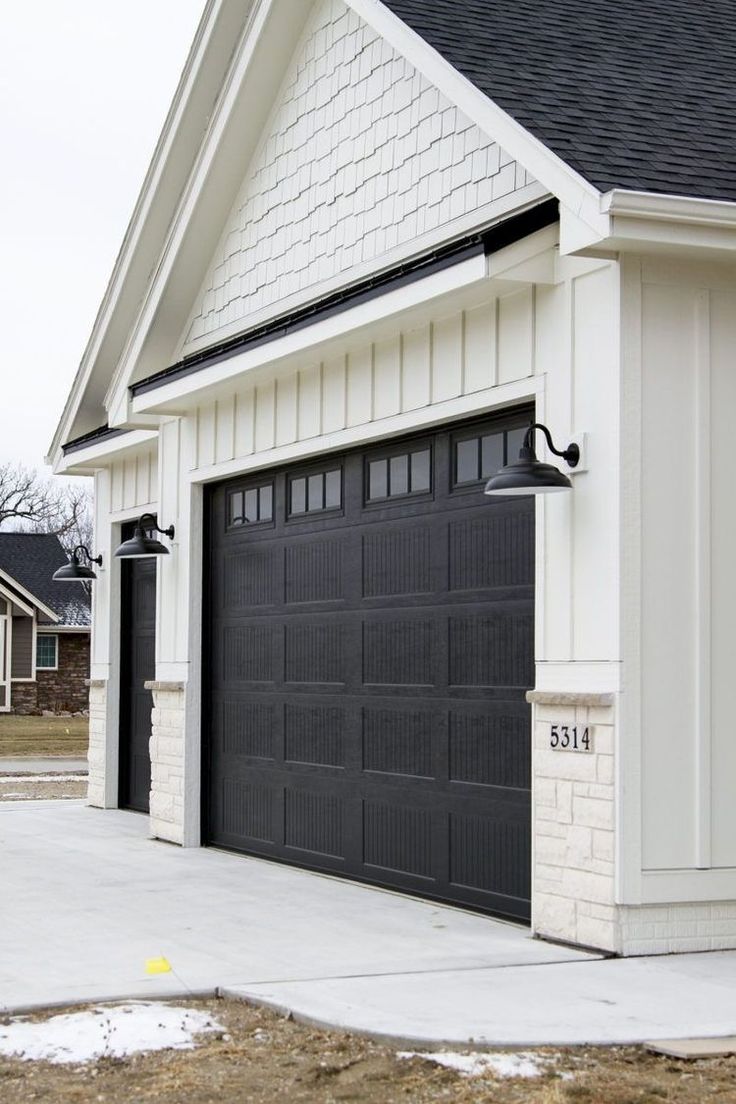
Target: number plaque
point(571, 737)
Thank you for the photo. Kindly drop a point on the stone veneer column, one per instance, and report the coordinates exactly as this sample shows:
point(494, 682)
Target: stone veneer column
point(167, 760)
point(573, 818)
point(96, 754)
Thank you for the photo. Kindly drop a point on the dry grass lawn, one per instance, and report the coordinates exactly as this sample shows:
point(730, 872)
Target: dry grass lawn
point(263, 1058)
point(31, 736)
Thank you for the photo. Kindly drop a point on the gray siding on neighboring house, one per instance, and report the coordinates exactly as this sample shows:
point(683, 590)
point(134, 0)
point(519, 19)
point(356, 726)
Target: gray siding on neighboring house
point(22, 645)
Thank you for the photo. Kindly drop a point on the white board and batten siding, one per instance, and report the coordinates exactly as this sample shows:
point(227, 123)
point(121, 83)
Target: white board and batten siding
point(462, 354)
point(124, 489)
point(686, 315)
point(556, 345)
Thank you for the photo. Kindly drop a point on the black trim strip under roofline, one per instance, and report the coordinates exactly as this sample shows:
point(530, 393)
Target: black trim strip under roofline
point(102, 433)
point(485, 241)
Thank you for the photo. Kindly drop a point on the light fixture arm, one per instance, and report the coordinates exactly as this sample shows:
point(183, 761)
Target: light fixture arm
point(571, 455)
point(87, 554)
point(169, 532)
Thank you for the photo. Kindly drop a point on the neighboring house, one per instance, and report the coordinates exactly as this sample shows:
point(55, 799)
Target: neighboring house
point(375, 241)
point(44, 628)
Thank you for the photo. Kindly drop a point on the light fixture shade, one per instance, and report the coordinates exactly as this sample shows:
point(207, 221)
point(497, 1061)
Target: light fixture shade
point(141, 545)
point(73, 572)
point(527, 477)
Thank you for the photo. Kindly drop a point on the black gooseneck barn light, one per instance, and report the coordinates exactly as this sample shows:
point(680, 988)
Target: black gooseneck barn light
point(527, 475)
point(142, 543)
point(74, 571)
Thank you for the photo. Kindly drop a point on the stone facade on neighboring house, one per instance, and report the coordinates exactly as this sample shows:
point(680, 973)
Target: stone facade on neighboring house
point(66, 688)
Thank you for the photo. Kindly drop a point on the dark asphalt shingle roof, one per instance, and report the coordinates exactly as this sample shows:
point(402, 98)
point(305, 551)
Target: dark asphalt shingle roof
point(637, 94)
point(31, 559)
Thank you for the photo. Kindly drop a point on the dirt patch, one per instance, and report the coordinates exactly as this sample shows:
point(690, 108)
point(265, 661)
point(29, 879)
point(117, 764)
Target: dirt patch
point(62, 787)
point(261, 1058)
point(34, 736)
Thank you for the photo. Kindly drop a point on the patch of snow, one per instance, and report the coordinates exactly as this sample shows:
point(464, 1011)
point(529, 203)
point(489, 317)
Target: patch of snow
point(511, 1064)
point(106, 1031)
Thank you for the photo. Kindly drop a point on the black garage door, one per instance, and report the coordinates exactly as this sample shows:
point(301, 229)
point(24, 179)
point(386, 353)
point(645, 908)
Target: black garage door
point(370, 640)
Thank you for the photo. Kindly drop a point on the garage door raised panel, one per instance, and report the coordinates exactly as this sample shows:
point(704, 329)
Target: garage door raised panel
point(370, 640)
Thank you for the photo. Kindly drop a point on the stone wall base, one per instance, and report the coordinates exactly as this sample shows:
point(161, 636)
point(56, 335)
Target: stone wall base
point(96, 755)
point(574, 823)
point(167, 760)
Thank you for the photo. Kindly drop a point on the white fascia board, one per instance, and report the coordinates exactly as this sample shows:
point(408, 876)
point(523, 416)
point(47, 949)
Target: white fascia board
point(86, 461)
point(30, 597)
point(181, 393)
point(576, 193)
point(669, 208)
point(16, 601)
point(172, 135)
point(651, 221)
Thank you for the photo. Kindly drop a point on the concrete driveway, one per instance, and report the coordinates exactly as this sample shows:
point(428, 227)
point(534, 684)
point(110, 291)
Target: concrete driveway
point(87, 898)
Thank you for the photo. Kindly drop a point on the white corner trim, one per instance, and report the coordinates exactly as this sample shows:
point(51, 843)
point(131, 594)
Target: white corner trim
point(549, 169)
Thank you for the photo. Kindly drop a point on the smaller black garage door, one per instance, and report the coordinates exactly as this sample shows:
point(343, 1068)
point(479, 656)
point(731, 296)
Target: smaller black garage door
point(370, 643)
point(137, 666)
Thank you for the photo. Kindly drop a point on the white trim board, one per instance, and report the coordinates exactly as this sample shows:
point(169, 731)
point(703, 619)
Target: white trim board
point(27, 594)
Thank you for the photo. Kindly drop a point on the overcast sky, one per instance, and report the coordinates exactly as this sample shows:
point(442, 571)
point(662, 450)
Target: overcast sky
point(84, 89)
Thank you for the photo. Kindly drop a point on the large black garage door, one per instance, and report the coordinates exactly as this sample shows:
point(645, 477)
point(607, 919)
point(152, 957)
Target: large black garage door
point(370, 639)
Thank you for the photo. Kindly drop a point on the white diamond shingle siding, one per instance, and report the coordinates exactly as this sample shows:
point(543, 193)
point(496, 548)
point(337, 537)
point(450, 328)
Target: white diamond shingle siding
point(361, 156)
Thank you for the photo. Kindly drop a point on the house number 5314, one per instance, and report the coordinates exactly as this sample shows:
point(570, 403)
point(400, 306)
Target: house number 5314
point(574, 737)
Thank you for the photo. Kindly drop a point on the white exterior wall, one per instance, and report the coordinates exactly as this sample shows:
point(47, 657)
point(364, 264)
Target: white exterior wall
point(677, 744)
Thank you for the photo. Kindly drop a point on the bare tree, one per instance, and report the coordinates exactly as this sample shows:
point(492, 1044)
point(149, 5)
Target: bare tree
point(37, 505)
point(68, 516)
point(23, 496)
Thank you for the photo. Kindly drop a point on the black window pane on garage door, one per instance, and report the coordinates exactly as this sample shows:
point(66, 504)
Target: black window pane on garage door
point(365, 673)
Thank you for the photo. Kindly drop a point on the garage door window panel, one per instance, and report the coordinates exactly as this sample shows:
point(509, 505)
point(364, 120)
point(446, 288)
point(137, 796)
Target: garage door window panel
point(315, 492)
point(401, 475)
point(250, 506)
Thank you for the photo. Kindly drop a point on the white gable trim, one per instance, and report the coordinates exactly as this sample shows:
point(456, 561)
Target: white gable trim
point(265, 16)
point(181, 132)
point(16, 601)
point(31, 597)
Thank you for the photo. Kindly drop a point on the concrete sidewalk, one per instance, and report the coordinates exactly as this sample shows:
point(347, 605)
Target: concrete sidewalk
point(42, 764)
point(88, 898)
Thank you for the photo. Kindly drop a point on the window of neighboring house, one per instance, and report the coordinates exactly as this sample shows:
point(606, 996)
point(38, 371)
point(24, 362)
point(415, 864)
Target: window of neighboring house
point(47, 652)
